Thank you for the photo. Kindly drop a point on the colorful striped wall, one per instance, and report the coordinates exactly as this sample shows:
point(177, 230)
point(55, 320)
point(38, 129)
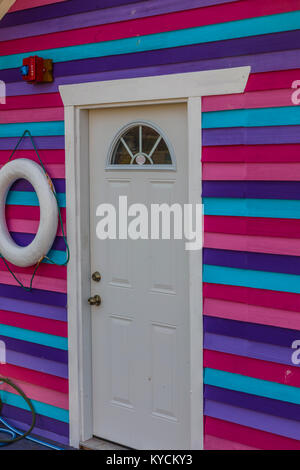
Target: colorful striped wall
point(251, 190)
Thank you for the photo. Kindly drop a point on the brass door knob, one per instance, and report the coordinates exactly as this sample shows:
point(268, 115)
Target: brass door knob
point(96, 276)
point(96, 300)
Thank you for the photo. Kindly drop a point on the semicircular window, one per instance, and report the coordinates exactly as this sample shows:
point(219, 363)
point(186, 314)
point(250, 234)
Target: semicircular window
point(140, 145)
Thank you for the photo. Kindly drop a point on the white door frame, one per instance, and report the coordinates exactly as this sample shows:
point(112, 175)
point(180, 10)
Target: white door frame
point(78, 100)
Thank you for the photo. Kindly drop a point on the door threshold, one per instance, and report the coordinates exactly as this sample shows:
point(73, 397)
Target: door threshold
point(95, 443)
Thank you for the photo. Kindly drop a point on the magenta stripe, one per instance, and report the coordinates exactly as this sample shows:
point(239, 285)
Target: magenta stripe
point(259, 63)
point(232, 47)
point(104, 16)
point(29, 308)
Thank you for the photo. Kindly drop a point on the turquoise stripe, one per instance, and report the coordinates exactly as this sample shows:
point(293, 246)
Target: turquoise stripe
point(29, 198)
point(36, 128)
point(41, 408)
point(217, 32)
point(274, 208)
point(44, 339)
point(250, 278)
point(242, 383)
point(57, 256)
point(281, 116)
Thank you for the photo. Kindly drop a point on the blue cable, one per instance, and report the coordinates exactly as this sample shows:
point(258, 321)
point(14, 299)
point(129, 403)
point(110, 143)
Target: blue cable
point(14, 432)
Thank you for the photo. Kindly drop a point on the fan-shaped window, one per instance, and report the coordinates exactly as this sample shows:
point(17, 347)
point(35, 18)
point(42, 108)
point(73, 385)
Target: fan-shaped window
point(140, 145)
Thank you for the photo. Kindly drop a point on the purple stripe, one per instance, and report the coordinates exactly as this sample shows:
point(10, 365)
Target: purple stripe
point(246, 348)
point(49, 142)
point(257, 261)
point(33, 349)
point(23, 185)
point(259, 63)
point(252, 189)
point(173, 55)
point(38, 432)
point(43, 422)
point(103, 16)
point(252, 135)
point(253, 332)
point(36, 295)
point(55, 10)
point(35, 363)
point(28, 308)
point(24, 239)
point(253, 402)
point(253, 419)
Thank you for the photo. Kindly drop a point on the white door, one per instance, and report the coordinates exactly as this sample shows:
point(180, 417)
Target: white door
point(140, 332)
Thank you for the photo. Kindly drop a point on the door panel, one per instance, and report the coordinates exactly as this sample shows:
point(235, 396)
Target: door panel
point(140, 333)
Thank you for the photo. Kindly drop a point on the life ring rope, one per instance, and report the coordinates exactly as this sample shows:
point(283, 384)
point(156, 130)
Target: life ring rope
point(29, 288)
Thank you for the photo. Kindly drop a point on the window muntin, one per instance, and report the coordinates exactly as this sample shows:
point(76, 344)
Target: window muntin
point(140, 145)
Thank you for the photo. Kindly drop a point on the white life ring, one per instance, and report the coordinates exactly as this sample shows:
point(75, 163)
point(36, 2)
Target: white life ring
point(41, 244)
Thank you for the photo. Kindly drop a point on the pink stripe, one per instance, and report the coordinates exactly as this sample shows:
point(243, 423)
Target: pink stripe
point(31, 376)
point(249, 295)
point(216, 443)
point(150, 25)
point(275, 245)
point(54, 170)
point(25, 4)
point(47, 156)
point(252, 171)
point(44, 283)
point(244, 435)
point(252, 153)
point(27, 226)
point(259, 99)
point(252, 313)
point(30, 322)
point(48, 270)
point(44, 395)
point(264, 370)
point(32, 115)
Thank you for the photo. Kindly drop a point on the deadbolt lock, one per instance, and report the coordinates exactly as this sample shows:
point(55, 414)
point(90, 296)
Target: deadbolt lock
point(96, 276)
point(95, 300)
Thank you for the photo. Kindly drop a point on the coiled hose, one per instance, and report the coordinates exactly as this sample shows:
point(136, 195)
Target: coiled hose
point(15, 434)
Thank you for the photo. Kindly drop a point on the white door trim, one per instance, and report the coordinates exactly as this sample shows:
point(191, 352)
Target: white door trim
point(78, 99)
